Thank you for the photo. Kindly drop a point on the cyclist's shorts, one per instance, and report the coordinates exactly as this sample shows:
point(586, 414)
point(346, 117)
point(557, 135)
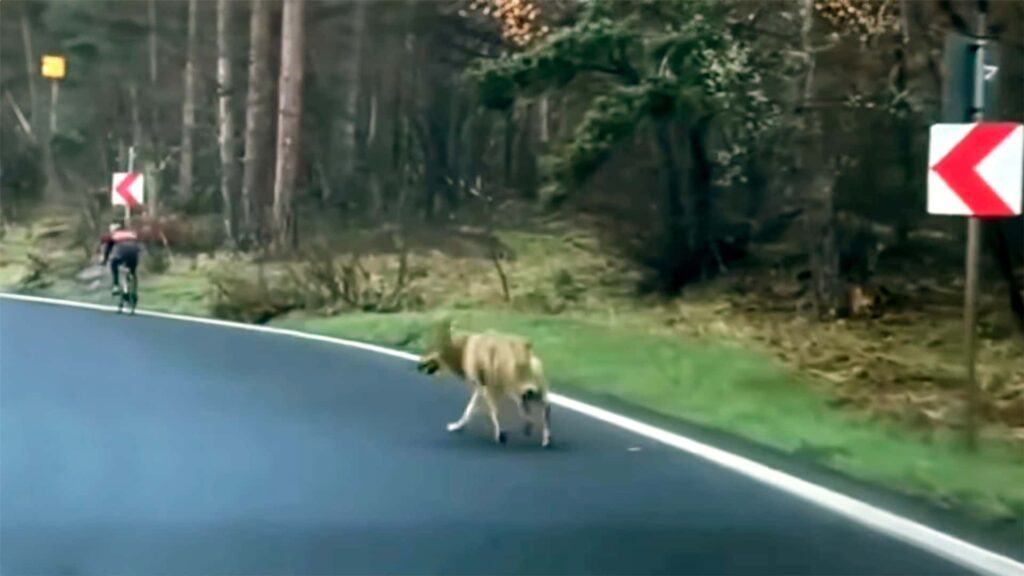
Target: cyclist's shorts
point(126, 254)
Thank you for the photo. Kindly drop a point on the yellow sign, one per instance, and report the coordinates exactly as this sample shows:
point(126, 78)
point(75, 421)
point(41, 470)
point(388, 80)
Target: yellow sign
point(53, 67)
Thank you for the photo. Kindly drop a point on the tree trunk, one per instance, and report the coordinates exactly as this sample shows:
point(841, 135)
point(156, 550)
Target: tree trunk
point(40, 129)
point(821, 232)
point(508, 143)
point(225, 91)
point(153, 187)
point(525, 160)
point(376, 202)
point(905, 130)
point(397, 133)
point(371, 129)
point(289, 122)
point(479, 142)
point(188, 115)
point(816, 177)
point(701, 189)
point(353, 149)
point(674, 212)
point(133, 103)
point(757, 185)
point(151, 17)
point(257, 122)
point(674, 255)
point(544, 118)
point(435, 128)
point(31, 71)
point(155, 150)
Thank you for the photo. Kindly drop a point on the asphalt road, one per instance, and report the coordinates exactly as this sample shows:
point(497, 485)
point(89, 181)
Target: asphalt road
point(134, 445)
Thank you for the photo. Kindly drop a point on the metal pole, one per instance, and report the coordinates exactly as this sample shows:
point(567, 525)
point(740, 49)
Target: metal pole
point(974, 249)
point(131, 166)
point(54, 92)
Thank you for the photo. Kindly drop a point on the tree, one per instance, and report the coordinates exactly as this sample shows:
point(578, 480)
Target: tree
point(31, 63)
point(289, 116)
point(40, 131)
point(651, 69)
point(354, 63)
point(154, 138)
point(818, 184)
point(188, 115)
point(258, 120)
point(225, 92)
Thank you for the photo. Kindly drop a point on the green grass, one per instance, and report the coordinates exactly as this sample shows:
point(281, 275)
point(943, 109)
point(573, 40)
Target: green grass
point(730, 389)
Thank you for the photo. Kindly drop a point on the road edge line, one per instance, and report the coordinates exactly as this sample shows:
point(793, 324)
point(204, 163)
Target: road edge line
point(938, 543)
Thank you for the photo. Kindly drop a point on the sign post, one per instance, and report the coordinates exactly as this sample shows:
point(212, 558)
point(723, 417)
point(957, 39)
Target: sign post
point(54, 68)
point(131, 166)
point(974, 253)
point(975, 170)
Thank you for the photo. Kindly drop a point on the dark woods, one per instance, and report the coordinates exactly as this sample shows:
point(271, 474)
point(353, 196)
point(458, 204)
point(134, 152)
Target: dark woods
point(701, 138)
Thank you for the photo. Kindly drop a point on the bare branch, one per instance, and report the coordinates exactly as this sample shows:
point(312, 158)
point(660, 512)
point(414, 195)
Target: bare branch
point(22, 122)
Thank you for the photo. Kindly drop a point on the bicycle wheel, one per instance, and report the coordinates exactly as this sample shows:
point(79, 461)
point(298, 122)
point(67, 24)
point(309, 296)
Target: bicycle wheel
point(133, 293)
point(122, 291)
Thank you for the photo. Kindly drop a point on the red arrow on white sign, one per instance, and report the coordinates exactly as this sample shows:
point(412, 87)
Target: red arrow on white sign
point(127, 189)
point(976, 169)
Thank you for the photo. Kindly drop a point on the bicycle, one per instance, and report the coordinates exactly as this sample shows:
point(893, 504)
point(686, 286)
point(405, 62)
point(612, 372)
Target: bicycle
point(128, 294)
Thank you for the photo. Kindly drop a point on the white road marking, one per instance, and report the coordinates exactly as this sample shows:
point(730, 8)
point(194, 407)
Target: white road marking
point(943, 545)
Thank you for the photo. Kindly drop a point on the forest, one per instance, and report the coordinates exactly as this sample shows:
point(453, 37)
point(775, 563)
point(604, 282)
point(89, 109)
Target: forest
point(739, 183)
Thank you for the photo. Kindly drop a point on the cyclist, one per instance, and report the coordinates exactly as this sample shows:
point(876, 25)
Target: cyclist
point(121, 248)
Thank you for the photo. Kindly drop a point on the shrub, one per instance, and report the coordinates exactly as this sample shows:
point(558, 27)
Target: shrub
point(37, 273)
point(156, 260)
point(242, 299)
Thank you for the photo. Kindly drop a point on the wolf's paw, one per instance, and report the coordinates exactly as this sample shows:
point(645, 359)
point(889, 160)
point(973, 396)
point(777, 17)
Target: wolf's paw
point(501, 438)
point(455, 426)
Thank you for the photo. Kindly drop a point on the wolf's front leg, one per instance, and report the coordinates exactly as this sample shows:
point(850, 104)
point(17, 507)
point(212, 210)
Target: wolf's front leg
point(470, 408)
point(546, 433)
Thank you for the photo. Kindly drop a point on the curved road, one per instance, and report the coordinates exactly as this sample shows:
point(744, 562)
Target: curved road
point(135, 445)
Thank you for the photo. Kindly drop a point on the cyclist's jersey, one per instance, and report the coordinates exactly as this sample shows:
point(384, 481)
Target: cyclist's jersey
point(125, 238)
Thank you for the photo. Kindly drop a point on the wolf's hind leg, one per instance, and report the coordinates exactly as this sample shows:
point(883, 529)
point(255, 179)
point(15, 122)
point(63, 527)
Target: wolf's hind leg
point(492, 407)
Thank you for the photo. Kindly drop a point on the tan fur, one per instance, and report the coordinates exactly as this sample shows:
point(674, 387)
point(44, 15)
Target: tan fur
point(494, 365)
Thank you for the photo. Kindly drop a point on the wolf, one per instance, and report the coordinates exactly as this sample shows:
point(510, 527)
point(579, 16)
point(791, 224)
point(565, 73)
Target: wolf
point(494, 365)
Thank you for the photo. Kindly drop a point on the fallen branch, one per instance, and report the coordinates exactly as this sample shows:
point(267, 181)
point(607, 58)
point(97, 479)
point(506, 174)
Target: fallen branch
point(22, 121)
